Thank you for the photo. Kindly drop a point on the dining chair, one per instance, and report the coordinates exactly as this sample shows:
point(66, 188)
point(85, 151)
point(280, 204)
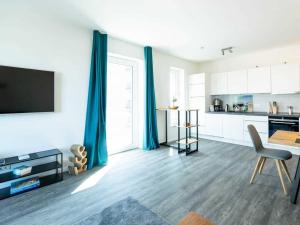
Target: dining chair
point(266, 153)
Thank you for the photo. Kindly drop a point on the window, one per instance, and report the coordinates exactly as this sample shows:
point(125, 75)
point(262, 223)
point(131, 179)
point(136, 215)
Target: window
point(177, 92)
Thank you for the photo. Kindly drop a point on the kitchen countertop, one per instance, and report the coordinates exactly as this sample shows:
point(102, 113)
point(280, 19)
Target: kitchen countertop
point(255, 113)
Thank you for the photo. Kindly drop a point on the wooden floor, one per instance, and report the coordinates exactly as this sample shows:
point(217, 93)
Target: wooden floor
point(213, 182)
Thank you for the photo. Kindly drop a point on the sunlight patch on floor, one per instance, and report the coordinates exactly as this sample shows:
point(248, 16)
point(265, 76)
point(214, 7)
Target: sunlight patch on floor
point(95, 178)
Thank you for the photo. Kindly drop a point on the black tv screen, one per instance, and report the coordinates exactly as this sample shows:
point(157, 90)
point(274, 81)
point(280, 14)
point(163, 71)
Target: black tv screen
point(26, 90)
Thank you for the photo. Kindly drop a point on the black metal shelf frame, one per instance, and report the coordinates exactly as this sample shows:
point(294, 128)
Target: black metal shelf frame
point(188, 147)
point(51, 178)
point(188, 134)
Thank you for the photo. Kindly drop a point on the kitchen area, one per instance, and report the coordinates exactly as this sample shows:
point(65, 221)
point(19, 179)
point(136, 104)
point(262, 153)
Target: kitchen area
point(267, 97)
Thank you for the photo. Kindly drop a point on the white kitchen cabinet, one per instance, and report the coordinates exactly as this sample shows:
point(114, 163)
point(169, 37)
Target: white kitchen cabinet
point(214, 124)
point(237, 82)
point(263, 137)
point(285, 78)
point(261, 125)
point(218, 83)
point(259, 80)
point(233, 127)
point(197, 97)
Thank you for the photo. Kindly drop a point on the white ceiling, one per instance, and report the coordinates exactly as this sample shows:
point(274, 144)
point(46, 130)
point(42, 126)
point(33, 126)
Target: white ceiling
point(182, 27)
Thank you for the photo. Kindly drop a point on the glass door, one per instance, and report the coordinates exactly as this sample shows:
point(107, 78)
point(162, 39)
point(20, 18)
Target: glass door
point(121, 111)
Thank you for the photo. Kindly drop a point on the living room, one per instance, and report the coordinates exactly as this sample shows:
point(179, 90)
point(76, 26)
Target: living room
point(149, 112)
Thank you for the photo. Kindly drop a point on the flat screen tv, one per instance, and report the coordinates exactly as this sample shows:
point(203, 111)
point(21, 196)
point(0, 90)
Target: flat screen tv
point(26, 90)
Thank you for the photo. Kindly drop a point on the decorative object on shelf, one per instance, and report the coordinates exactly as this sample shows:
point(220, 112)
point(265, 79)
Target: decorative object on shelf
point(45, 165)
point(24, 185)
point(173, 106)
point(22, 170)
point(23, 157)
point(79, 160)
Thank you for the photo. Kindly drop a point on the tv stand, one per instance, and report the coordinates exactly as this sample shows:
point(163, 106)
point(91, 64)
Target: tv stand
point(45, 171)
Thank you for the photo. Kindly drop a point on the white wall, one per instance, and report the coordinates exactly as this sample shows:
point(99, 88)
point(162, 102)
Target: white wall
point(162, 63)
point(34, 38)
point(290, 54)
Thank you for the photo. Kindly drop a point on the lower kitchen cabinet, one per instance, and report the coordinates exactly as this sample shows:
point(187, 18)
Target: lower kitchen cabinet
point(233, 127)
point(261, 125)
point(214, 124)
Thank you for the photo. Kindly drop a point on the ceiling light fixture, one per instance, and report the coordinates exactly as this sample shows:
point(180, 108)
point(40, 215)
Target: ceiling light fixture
point(229, 49)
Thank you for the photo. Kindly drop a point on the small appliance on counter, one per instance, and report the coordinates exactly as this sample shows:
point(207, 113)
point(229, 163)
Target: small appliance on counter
point(290, 108)
point(218, 105)
point(239, 107)
point(227, 109)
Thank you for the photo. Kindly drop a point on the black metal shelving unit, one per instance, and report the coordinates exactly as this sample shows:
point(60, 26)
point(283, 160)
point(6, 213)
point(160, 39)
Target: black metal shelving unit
point(188, 141)
point(54, 170)
point(188, 144)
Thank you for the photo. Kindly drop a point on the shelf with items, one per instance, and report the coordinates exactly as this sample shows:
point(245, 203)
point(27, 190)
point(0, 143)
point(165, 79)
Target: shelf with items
point(8, 176)
point(187, 141)
point(39, 172)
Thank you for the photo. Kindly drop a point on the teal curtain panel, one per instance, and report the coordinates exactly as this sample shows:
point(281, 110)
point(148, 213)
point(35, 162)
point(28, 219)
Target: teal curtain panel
point(95, 127)
point(150, 130)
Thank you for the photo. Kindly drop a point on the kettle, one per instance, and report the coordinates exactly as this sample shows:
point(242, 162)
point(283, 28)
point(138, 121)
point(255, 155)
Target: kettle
point(226, 108)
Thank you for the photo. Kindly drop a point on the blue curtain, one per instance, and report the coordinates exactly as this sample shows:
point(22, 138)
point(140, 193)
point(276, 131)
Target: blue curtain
point(95, 127)
point(150, 131)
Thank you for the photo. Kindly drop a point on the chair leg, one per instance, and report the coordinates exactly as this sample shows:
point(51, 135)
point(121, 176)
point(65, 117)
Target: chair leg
point(280, 176)
point(285, 169)
point(259, 161)
point(262, 164)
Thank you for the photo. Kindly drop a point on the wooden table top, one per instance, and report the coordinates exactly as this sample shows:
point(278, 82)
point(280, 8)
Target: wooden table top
point(285, 138)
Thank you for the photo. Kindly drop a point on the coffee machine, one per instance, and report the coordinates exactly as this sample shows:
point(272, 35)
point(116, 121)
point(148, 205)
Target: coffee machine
point(218, 105)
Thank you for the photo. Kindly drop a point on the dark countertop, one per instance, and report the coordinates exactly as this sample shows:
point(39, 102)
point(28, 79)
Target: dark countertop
point(256, 114)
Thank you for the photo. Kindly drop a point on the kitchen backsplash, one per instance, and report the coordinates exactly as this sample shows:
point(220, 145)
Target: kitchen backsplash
point(260, 101)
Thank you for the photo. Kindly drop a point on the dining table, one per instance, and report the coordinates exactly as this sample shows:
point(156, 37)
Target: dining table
point(290, 138)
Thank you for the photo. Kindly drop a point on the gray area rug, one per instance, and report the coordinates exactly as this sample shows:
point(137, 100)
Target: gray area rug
point(125, 212)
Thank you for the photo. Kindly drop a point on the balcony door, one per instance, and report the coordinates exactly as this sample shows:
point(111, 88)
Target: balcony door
point(121, 104)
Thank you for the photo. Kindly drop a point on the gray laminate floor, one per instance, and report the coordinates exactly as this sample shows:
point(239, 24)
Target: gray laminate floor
point(213, 182)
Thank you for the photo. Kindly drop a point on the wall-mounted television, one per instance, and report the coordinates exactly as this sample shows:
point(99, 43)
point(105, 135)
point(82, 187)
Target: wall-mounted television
point(26, 90)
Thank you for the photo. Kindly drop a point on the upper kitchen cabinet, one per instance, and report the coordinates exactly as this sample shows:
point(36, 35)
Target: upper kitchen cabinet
point(237, 82)
point(259, 80)
point(218, 83)
point(285, 78)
